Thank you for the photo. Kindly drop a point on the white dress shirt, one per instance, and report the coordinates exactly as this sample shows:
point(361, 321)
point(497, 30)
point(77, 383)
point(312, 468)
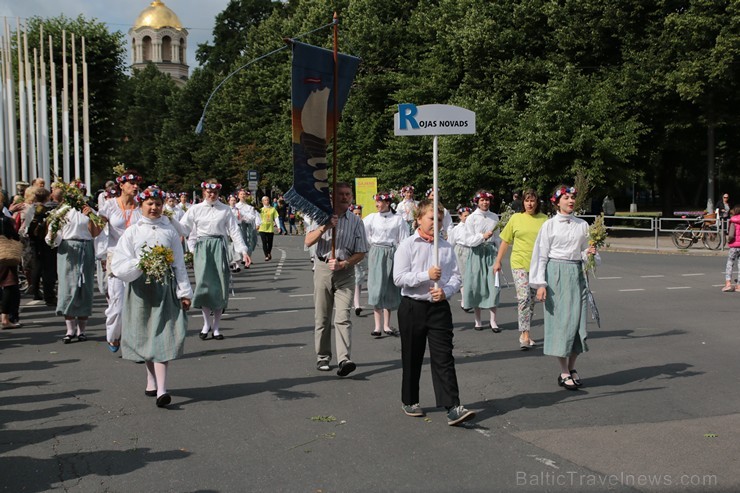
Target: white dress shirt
point(75, 228)
point(414, 258)
point(562, 237)
point(385, 228)
point(407, 208)
point(248, 214)
point(118, 220)
point(150, 232)
point(213, 219)
point(478, 223)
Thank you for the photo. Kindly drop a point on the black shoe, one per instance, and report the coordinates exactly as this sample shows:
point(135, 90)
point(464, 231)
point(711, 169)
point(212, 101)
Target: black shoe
point(203, 335)
point(346, 367)
point(567, 382)
point(377, 334)
point(68, 338)
point(358, 310)
point(150, 393)
point(82, 337)
point(479, 327)
point(496, 329)
point(219, 337)
point(163, 400)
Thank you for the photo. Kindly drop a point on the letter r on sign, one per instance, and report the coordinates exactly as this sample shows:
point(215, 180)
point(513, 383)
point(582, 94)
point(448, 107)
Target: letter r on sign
point(407, 113)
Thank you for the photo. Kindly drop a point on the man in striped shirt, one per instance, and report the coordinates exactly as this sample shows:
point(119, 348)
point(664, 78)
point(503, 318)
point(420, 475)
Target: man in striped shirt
point(334, 280)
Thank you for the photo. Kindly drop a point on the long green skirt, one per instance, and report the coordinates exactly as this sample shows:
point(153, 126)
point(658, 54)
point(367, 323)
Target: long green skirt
point(76, 270)
point(212, 274)
point(154, 323)
point(381, 291)
point(462, 253)
point(249, 235)
point(479, 290)
point(565, 309)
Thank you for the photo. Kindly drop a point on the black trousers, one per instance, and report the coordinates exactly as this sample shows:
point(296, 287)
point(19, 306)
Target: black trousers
point(418, 322)
point(45, 267)
point(10, 300)
point(267, 242)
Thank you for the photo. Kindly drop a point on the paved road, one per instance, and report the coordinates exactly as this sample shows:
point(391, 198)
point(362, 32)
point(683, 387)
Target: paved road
point(659, 411)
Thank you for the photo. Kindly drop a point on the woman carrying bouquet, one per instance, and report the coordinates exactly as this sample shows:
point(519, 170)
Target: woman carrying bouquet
point(75, 266)
point(479, 289)
point(250, 220)
point(556, 273)
point(212, 222)
point(149, 259)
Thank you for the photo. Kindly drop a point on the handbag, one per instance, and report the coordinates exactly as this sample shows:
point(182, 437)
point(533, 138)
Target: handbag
point(10, 252)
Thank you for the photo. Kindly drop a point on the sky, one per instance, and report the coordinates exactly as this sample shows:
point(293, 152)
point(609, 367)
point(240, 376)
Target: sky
point(197, 16)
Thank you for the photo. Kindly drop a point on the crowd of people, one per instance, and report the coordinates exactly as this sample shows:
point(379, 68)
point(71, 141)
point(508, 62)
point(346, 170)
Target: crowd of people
point(129, 229)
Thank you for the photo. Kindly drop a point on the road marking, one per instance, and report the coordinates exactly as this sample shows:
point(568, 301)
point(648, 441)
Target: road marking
point(679, 287)
point(247, 298)
point(646, 277)
point(688, 275)
point(627, 290)
point(281, 311)
point(718, 285)
point(279, 270)
point(299, 295)
point(602, 278)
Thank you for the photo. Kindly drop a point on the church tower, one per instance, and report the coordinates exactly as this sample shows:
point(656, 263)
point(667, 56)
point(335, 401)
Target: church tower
point(158, 37)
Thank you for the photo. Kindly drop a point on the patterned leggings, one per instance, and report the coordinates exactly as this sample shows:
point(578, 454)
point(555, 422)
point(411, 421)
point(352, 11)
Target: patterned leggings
point(732, 257)
point(525, 297)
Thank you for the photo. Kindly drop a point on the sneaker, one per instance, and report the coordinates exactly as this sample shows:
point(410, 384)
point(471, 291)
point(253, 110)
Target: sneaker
point(459, 414)
point(345, 368)
point(413, 410)
point(323, 365)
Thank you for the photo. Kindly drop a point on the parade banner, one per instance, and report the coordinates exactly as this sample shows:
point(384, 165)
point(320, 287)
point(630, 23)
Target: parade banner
point(313, 124)
point(365, 190)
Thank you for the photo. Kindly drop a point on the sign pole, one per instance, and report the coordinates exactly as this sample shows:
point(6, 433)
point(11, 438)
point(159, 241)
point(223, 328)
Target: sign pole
point(435, 187)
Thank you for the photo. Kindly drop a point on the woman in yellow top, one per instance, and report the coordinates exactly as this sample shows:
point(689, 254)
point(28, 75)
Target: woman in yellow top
point(268, 215)
point(521, 230)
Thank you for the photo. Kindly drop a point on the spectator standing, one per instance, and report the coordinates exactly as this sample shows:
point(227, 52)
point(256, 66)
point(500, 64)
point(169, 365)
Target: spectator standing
point(268, 217)
point(724, 206)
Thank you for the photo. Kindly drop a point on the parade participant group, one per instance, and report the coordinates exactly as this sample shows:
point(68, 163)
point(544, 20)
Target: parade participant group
point(142, 237)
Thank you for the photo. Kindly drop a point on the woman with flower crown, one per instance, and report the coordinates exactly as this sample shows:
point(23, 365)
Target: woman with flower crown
point(479, 289)
point(120, 214)
point(385, 230)
point(556, 273)
point(249, 219)
point(462, 252)
point(212, 222)
point(75, 268)
point(155, 322)
point(407, 207)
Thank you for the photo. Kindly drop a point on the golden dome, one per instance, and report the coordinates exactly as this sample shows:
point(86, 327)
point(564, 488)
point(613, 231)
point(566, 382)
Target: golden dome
point(157, 15)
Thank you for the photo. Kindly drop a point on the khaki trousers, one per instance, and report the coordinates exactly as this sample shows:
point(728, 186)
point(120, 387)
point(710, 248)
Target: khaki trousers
point(333, 293)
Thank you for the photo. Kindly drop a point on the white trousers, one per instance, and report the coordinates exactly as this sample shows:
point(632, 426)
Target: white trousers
point(113, 323)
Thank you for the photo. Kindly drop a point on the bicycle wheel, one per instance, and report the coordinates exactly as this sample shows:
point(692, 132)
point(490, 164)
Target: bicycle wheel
point(712, 240)
point(682, 237)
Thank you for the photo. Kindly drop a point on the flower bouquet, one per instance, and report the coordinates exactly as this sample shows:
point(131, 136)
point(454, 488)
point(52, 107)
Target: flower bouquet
point(504, 217)
point(72, 198)
point(189, 260)
point(597, 238)
point(156, 262)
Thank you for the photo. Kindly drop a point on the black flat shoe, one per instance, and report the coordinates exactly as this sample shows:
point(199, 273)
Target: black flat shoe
point(496, 330)
point(150, 393)
point(203, 335)
point(376, 334)
point(479, 327)
point(82, 337)
point(358, 310)
point(567, 382)
point(219, 337)
point(163, 400)
point(576, 380)
point(68, 338)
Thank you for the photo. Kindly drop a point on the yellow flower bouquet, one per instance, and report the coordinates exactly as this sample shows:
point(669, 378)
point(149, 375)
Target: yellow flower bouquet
point(156, 263)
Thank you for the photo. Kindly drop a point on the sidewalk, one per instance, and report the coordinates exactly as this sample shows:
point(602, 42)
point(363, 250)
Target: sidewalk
point(636, 242)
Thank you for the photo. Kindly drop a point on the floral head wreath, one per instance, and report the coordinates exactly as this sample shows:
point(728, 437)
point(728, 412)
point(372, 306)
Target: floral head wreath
point(184, 194)
point(429, 192)
point(78, 184)
point(464, 209)
point(130, 177)
point(355, 207)
point(232, 196)
point(408, 188)
point(388, 197)
point(211, 186)
point(111, 192)
point(559, 192)
point(152, 192)
point(482, 195)
point(249, 194)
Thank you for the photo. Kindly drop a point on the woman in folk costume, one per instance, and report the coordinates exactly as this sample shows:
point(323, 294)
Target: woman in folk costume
point(360, 267)
point(385, 230)
point(556, 272)
point(479, 290)
point(75, 269)
point(120, 214)
point(154, 309)
point(234, 257)
point(183, 205)
point(212, 222)
point(249, 220)
point(462, 252)
point(170, 206)
point(407, 207)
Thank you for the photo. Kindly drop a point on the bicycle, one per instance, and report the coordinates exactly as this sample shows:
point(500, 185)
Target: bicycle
point(699, 229)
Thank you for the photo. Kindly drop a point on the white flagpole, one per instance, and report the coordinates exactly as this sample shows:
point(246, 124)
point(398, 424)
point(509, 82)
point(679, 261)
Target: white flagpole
point(43, 118)
point(10, 98)
point(75, 111)
point(3, 104)
point(31, 113)
point(435, 187)
point(54, 122)
point(22, 105)
point(86, 120)
point(65, 111)
point(37, 128)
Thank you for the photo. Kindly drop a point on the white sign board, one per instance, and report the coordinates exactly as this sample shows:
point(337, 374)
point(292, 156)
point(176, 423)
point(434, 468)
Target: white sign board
point(252, 185)
point(433, 119)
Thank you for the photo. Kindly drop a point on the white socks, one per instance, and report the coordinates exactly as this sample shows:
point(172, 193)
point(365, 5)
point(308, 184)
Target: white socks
point(216, 320)
point(206, 319)
point(70, 326)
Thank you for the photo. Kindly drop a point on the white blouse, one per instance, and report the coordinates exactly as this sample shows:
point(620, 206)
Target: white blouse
point(562, 237)
point(248, 214)
point(150, 232)
point(118, 220)
point(213, 219)
point(385, 228)
point(406, 209)
point(75, 228)
point(476, 225)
